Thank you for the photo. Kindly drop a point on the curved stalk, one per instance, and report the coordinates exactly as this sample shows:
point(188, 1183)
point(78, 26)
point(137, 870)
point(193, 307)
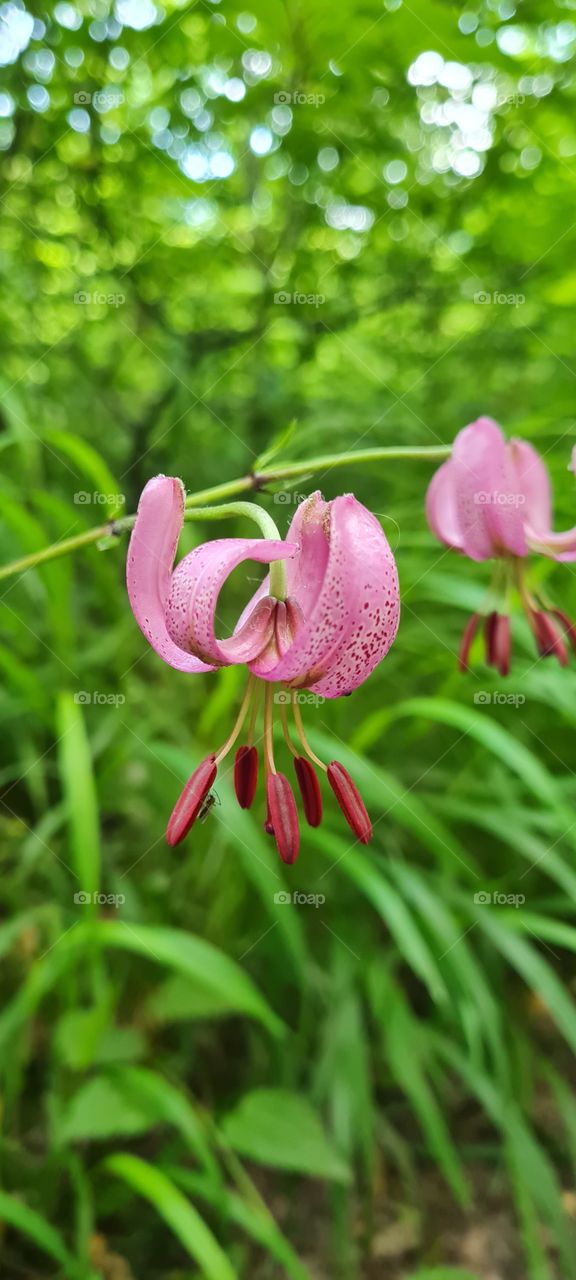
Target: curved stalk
point(243, 484)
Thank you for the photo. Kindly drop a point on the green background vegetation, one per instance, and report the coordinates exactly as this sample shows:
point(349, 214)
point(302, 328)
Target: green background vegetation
point(391, 1073)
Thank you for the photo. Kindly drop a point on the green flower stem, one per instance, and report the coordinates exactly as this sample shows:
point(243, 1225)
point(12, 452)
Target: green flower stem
point(267, 528)
point(243, 484)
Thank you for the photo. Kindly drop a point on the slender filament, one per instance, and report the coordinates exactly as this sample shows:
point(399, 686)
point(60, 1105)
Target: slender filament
point(239, 721)
point(268, 741)
point(302, 736)
point(253, 712)
point(286, 731)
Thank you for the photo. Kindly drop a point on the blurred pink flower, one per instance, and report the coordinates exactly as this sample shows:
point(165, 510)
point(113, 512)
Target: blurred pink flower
point(337, 622)
point(492, 499)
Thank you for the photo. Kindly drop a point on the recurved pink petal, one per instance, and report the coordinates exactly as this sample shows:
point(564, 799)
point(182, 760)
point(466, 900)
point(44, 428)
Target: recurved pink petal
point(194, 590)
point(488, 498)
point(533, 484)
point(441, 507)
point(351, 617)
point(149, 567)
point(558, 546)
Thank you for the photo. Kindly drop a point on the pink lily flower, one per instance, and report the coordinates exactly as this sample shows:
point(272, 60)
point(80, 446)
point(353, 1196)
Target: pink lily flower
point(492, 500)
point(336, 623)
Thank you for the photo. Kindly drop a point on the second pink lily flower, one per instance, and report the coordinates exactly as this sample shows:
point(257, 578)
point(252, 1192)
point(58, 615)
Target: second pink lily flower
point(492, 500)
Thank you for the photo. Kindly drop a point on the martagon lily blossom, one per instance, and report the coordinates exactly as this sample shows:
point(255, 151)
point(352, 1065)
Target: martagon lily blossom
point(492, 500)
point(322, 620)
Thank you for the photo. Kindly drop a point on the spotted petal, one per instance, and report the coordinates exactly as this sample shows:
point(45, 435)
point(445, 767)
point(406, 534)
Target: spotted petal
point(193, 597)
point(346, 584)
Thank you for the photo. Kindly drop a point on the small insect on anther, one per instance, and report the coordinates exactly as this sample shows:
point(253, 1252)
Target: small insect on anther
point(207, 804)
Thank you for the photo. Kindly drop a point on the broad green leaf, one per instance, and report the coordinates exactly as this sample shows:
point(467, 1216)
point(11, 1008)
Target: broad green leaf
point(177, 1000)
point(99, 1111)
point(281, 1129)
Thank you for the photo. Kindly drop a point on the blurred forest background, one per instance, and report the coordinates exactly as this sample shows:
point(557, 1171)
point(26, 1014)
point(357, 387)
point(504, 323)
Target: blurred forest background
point(219, 219)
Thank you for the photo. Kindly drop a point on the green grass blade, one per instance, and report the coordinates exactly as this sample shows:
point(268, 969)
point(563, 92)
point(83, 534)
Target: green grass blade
point(75, 764)
point(179, 1215)
point(16, 1214)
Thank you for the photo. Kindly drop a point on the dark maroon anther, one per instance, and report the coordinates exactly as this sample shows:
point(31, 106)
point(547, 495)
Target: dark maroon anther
point(189, 803)
point(309, 790)
point(466, 641)
point(502, 644)
point(548, 638)
point(245, 775)
point(568, 625)
point(283, 816)
point(350, 801)
point(490, 629)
